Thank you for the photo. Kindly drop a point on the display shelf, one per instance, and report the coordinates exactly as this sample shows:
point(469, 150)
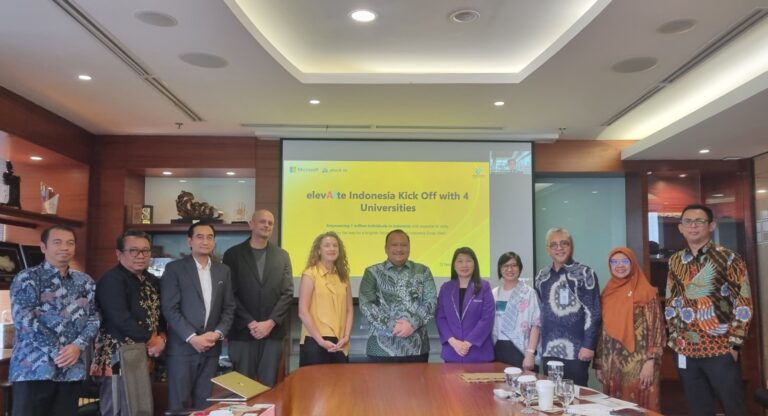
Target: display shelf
point(30, 219)
point(182, 228)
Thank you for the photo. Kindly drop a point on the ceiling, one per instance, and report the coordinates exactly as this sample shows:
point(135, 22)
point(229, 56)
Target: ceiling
point(411, 73)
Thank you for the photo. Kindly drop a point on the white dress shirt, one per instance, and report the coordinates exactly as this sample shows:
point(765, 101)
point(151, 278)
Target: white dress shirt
point(204, 274)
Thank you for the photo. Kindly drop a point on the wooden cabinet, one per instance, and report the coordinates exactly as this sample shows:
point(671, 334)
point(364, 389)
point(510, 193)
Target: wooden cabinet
point(68, 177)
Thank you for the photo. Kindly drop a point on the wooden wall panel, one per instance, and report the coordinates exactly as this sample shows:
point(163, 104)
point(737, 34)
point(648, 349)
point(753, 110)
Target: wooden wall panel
point(119, 162)
point(176, 151)
point(636, 186)
point(572, 156)
point(106, 219)
point(26, 119)
point(134, 195)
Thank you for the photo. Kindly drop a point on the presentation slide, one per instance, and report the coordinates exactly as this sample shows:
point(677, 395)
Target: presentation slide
point(445, 195)
point(438, 204)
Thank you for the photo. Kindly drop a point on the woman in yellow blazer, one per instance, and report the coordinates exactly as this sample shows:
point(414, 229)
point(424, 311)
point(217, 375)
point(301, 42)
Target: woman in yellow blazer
point(325, 303)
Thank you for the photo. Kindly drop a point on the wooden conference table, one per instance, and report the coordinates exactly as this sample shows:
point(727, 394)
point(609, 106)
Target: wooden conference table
point(391, 390)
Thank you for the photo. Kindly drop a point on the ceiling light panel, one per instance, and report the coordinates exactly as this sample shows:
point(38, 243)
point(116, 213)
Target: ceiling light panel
point(414, 42)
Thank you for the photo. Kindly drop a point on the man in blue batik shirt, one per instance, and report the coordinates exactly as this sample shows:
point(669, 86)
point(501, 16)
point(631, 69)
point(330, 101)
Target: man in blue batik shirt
point(55, 315)
point(570, 308)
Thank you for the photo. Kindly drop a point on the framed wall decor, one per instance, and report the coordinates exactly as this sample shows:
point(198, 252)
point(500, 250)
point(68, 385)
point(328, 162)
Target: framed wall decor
point(146, 214)
point(11, 261)
point(32, 254)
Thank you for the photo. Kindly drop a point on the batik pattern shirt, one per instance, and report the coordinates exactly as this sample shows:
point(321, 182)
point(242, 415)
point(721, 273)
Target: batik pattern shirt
point(570, 310)
point(389, 293)
point(521, 314)
point(709, 301)
point(107, 345)
point(51, 311)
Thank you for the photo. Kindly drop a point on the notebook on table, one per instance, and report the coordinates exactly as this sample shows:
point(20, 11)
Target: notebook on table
point(239, 388)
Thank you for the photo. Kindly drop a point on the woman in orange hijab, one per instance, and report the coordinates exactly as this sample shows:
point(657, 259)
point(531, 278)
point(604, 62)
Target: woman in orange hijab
point(628, 356)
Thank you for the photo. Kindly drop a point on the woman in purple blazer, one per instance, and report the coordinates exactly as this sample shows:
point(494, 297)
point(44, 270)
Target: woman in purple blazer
point(465, 312)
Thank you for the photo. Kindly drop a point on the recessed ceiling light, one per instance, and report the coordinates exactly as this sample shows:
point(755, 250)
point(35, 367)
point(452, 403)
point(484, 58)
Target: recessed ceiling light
point(594, 192)
point(241, 181)
point(718, 195)
point(230, 173)
point(314, 101)
point(204, 60)
point(167, 173)
point(464, 16)
point(499, 103)
point(156, 18)
point(704, 151)
point(632, 65)
point(363, 16)
point(183, 180)
point(732, 158)
point(762, 191)
point(676, 26)
point(649, 173)
point(683, 175)
point(36, 158)
point(84, 77)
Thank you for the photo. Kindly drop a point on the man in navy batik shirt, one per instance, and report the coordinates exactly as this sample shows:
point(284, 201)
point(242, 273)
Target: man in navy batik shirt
point(54, 311)
point(570, 308)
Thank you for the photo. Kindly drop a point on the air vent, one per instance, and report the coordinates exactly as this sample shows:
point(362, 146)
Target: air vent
point(716, 45)
point(713, 47)
point(305, 126)
point(369, 127)
point(643, 98)
point(476, 128)
point(106, 39)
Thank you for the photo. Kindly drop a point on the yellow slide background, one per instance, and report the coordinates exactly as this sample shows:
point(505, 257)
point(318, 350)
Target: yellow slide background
point(441, 205)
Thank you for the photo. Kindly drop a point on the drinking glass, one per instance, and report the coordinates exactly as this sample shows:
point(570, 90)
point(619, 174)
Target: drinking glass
point(567, 391)
point(528, 390)
point(555, 370)
point(516, 389)
point(510, 375)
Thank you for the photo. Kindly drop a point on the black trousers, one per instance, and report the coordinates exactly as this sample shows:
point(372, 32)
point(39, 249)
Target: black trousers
point(507, 353)
point(422, 358)
point(189, 380)
point(46, 398)
point(706, 378)
point(576, 370)
point(310, 353)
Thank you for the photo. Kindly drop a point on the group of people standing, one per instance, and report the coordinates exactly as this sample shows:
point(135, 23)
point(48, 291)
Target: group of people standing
point(562, 316)
point(185, 315)
point(198, 302)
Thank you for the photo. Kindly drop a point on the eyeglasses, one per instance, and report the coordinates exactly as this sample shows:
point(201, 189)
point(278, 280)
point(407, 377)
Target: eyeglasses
point(617, 262)
point(562, 244)
point(694, 222)
point(509, 266)
point(134, 252)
